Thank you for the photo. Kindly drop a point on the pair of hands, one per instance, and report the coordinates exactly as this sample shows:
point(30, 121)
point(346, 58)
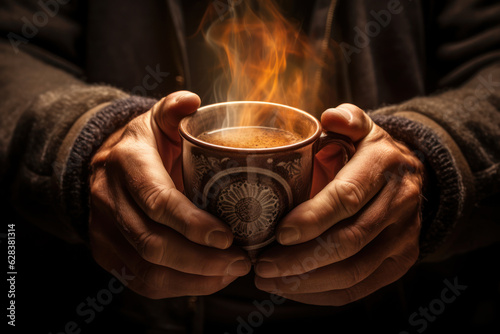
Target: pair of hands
point(358, 233)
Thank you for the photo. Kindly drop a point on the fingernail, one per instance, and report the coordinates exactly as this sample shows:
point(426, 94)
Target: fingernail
point(344, 114)
point(181, 97)
point(266, 269)
point(238, 268)
point(218, 239)
point(288, 235)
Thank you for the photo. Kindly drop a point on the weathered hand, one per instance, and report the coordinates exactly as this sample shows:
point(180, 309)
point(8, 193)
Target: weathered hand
point(360, 232)
point(141, 221)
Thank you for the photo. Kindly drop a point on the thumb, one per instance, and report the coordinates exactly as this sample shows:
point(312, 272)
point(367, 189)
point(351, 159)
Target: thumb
point(171, 109)
point(349, 120)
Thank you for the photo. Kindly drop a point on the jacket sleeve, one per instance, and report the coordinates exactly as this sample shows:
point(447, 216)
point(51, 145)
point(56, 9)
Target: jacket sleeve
point(51, 120)
point(456, 131)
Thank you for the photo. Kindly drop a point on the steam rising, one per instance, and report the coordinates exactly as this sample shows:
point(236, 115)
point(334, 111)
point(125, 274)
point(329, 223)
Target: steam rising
point(262, 55)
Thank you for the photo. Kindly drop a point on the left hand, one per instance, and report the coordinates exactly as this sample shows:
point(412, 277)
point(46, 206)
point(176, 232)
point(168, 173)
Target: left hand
point(360, 232)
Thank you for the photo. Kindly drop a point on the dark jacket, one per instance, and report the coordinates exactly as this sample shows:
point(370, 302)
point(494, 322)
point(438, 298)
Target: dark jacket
point(429, 75)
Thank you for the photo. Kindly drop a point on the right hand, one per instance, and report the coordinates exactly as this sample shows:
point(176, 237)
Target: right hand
point(141, 222)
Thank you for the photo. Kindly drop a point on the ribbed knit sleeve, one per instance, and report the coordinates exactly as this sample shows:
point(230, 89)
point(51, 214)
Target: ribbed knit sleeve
point(456, 134)
point(445, 191)
point(72, 179)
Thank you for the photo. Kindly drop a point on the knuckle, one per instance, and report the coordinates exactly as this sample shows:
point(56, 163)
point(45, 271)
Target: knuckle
point(354, 109)
point(136, 127)
point(191, 225)
point(98, 190)
point(125, 150)
point(347, 296)
point(355, 237)
point(411, 193)
point(362, 121)
point(151, 247)
point(162, 205)
point(160, 108)
point(394, 158)
point(418, 167)
point(156, 200)
point(379, 136)
point(353, 276)
point(414, 193)
point(96, 187)
point(153, 276)
point(359, 123)
point(349, 195)
point(318, 217)
point(351, 240)
point(118, 155)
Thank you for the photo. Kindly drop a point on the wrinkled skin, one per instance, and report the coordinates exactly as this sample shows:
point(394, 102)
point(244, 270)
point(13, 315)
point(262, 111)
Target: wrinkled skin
point(141, 221)
point(358, 233)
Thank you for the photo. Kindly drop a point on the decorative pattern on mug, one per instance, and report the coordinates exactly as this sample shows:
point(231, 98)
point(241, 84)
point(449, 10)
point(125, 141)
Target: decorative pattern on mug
point(294, 170)
point(249, 208)
point(204, 165)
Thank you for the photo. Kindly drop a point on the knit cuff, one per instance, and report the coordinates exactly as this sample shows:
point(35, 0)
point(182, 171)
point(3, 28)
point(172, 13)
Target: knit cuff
point(74, 184)
point(444, 193)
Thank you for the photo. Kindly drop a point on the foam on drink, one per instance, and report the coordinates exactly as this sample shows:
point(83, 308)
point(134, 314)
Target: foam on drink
point(250, 137)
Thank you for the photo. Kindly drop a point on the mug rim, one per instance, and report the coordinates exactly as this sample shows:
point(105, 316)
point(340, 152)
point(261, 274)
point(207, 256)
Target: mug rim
point(309, 140)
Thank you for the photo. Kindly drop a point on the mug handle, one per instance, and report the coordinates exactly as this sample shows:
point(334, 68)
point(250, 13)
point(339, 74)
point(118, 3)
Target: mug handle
point(329, 138)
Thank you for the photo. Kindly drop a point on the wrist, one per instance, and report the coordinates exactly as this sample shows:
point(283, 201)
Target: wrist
point(444, 193)
point(88, 135)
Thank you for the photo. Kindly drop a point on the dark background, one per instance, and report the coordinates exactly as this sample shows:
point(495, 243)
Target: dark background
point(53, 278)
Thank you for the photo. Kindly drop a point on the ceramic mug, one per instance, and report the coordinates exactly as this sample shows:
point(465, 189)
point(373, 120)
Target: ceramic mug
point(251, 189)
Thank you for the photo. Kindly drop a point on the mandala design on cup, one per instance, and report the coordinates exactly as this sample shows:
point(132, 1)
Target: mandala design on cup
point(249, 208)
point(250, 200)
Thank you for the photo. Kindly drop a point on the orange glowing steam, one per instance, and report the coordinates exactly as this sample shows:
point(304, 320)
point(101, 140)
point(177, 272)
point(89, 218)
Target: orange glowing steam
point(262, 55)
